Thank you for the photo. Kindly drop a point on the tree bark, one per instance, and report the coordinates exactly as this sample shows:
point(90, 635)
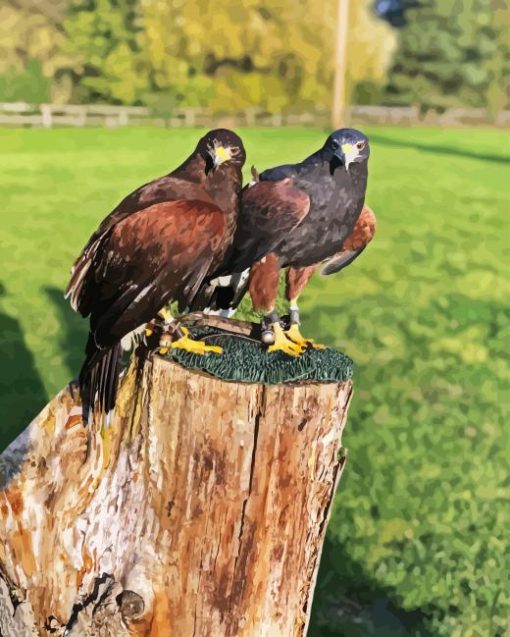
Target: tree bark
point(199, 510)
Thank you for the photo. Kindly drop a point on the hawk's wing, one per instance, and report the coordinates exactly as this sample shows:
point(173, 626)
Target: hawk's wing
point(269, 211)
point(340, 261)
point(156, 255)
point(355, 243)
point(165, 188)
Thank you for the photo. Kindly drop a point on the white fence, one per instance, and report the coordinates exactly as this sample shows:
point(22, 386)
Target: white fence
point(49, 115)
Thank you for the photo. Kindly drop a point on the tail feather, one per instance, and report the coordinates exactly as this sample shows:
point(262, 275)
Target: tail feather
point(99, 377)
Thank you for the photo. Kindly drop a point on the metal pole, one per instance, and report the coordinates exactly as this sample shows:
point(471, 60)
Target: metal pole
point(338, 115)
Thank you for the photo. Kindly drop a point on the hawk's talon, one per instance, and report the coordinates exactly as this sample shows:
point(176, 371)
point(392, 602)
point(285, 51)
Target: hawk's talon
point(195, 347)
point(184, 342)
point(294, 334)
point(284, 344)
point(166, 315)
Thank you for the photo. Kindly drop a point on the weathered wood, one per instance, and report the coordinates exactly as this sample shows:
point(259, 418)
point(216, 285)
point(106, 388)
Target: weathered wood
point(199, 511)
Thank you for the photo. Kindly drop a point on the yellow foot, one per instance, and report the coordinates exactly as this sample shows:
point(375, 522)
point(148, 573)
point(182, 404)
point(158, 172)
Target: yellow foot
point(283, 344)
point(150, 328)
point(165, 314)
point(295, 335)
point(190, 345)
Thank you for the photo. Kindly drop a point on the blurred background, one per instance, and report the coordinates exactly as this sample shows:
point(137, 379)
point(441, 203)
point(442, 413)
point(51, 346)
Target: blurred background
point(255, 59)
point(99, 96)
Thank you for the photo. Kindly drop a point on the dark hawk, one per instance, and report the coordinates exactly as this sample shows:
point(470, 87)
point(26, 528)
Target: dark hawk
point(157, 246)
point(296, 216)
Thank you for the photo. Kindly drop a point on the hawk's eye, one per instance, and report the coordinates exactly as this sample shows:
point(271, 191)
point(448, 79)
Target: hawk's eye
point(360, 145)
point(235, 151)
point(336, 143)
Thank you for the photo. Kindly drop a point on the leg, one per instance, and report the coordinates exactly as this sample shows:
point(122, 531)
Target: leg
point(297, 280)
point(185, 342)
point(179, 338)
point(263, 288)
point(164, 315)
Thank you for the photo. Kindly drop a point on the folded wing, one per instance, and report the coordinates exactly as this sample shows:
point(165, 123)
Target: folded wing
point(167, 188)
point(361, 235)
point(158, 254)
point(270, 210)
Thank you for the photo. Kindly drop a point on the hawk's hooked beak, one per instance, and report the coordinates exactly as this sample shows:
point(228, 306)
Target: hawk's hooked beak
point(221, 155)
point(346, 154)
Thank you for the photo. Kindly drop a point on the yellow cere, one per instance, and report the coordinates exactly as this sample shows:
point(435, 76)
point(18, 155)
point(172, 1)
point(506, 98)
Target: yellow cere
point(222, 153)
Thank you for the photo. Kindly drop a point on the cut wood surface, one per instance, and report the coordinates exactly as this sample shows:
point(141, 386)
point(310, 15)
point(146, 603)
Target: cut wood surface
point(199, 510)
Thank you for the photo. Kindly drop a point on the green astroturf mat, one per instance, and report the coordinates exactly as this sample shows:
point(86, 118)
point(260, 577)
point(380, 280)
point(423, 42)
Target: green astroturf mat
point(245, 360)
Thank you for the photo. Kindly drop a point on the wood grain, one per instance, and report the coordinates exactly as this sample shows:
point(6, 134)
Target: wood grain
point(199, 511)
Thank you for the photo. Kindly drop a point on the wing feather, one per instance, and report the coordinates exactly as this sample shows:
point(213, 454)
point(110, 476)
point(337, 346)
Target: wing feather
point(355, 243)
point(269, 211)
point(154, 256)
point(164, 189)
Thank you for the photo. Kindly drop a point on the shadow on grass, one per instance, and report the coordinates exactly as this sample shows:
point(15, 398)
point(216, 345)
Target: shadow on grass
point(437, 149)
point(349, 603)
point(22, 392)
point(73, 332)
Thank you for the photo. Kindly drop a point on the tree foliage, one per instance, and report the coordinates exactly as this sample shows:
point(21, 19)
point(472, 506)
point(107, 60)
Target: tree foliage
point(228, 55)
point(105, 39)
point(277, 55)
point(454, 52)
point(31, 43)
point(232, 55)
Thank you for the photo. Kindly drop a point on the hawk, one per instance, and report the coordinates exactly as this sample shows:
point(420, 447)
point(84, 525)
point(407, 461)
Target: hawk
point(296, 216)
point(157, 246)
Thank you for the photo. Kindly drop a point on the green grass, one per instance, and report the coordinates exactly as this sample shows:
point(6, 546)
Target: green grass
point(418, 543)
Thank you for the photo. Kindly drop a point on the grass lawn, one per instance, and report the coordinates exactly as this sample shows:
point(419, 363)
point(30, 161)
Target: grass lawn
point(418, 543)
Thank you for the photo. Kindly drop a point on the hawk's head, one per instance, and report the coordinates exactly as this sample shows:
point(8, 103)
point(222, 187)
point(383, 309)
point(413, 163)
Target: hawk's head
point(221, 146)
point(347, 146)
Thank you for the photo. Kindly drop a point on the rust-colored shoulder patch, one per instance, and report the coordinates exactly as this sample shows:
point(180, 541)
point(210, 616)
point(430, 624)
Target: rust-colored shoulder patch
point(363, 231)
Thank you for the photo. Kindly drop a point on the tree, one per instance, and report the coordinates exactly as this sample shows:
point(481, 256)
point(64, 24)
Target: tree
point(227, 55)
point(105, 39)
point(497, 92)
point(277, 55)
point(31, 41)
point(452, 53)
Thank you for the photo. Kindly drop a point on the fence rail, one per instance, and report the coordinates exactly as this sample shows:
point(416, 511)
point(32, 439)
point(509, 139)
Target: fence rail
point(104, 115)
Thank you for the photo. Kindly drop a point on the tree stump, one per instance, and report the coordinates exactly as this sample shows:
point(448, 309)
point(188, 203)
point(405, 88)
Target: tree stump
point(198, 510)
